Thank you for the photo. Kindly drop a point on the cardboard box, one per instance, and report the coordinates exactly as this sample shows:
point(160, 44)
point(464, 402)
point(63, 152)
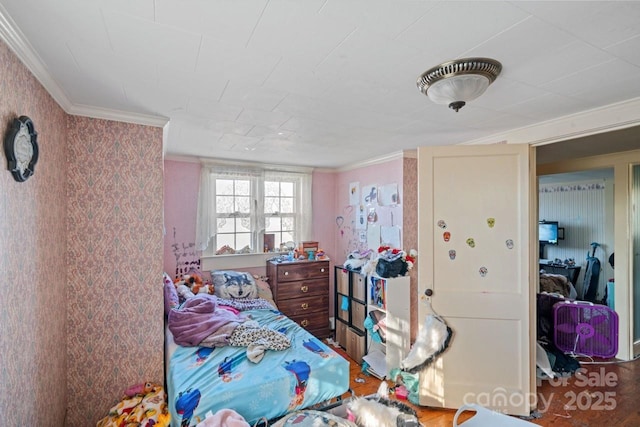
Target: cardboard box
point(309, 246)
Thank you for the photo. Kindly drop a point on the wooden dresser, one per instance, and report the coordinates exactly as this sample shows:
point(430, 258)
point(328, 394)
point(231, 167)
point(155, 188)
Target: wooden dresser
point(301, 291)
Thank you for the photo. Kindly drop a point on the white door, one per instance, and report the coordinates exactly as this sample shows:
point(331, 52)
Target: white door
point(476, 207)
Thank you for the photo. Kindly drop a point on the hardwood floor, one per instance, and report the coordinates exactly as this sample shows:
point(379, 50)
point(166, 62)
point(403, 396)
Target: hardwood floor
point(600, 395)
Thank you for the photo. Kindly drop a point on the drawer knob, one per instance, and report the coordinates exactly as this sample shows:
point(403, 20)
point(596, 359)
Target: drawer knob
point(304, 323)
point(286, 273)
point(304, 288)
point(322, 270)
point(304, 305)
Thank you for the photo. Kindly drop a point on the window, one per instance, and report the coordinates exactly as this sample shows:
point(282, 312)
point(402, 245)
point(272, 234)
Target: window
point(279, 210)
point(237, 207)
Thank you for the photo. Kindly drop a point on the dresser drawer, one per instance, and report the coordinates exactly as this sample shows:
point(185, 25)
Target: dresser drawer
point(301, 289)
point(302, 271)
point(312, 321)
point(301, 306)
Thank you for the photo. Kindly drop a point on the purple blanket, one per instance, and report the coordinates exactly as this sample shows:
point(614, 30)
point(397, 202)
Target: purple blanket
point(199, 318)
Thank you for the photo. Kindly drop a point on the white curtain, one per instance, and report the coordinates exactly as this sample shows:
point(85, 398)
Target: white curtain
point(206, 221)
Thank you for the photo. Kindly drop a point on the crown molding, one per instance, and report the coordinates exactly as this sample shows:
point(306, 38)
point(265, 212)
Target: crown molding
point(18, 43)
point(377, 160)
point(116, 115)
point(611, 117)
point(15, 39)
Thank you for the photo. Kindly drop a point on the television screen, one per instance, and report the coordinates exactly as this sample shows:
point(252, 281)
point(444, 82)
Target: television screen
point(548, 232)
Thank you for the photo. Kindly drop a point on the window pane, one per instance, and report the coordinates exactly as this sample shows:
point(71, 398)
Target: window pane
point(287, 223)
point(271, 205)
point(286, 189)
point(272, 223)
point(224, 186)
point(224, 239)
point(287, 237)
point(224, 225)
point(243, 188)
point(224, 204)
point(286, 205)
point(243, 225)
point(242, 240)
point(271, 188)
point(277, 241)
point(243, 204)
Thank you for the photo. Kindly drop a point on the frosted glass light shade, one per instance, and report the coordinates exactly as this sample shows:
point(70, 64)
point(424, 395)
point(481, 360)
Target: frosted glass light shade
point(465, 88)
point(454, 83)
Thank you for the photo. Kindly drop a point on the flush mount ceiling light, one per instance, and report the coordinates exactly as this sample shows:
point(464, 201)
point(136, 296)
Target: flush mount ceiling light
point(454, 83)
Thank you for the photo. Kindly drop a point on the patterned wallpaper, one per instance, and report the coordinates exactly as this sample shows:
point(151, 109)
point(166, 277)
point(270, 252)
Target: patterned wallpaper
point(32, 259)
point(115, 247)
point(410, 231)
point(81, 254)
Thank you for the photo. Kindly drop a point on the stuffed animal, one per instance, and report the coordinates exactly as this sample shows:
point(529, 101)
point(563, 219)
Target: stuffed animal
point(190, 285)
point(380, 411)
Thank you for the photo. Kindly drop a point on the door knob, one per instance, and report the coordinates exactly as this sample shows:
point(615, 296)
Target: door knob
point(428, 292)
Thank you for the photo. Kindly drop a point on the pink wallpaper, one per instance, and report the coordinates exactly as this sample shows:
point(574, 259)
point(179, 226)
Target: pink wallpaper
point(181, 183)
point(329, 201)
point(114, 250)
point(32, 259)
point(380, 174)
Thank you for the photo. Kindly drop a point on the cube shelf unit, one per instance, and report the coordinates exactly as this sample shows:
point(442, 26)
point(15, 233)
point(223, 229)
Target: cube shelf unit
point(356, 296)
point(350, 311)
point(391, 296)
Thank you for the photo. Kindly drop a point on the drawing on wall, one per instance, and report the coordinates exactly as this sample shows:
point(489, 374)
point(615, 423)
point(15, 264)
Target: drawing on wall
point(390, 236)
point(373, 237)
point(354, 193)
point(339, 222)
point(186, 256)
point(388, 195)
point(361, 218)
point(370, 195)
point(372, 216)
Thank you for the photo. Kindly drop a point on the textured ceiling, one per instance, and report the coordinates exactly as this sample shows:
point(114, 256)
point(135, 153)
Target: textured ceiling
point(327, 83)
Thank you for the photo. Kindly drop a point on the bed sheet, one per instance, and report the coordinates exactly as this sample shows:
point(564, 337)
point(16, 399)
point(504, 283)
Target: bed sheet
point(201, 379)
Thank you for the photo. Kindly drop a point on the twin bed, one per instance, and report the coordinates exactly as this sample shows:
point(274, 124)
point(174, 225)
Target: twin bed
point(206, 379)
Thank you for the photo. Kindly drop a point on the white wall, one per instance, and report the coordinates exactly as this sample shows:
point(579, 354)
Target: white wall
point(585, 210)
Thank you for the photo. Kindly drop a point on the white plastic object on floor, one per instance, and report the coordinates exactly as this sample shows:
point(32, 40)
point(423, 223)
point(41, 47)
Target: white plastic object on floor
point(487, 418)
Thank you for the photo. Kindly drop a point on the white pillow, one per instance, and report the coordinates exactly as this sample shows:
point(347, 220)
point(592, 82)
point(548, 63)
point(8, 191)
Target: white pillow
point(231, 284)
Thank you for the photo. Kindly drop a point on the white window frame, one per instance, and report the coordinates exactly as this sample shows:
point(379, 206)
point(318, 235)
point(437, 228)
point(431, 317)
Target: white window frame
point(206, 227)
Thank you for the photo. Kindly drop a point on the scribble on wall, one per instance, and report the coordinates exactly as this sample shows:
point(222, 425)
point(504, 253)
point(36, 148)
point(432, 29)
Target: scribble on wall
point(186, 256)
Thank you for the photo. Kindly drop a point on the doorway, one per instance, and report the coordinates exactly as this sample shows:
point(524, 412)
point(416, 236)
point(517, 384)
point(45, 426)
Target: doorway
point(580, 205)
point(622, 164)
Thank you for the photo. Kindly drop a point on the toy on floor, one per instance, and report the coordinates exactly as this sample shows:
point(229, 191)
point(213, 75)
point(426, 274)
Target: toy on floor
point(142, 405)
point(379, 411)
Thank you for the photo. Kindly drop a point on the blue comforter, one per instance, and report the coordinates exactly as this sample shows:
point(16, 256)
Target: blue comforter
point(201, 379)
